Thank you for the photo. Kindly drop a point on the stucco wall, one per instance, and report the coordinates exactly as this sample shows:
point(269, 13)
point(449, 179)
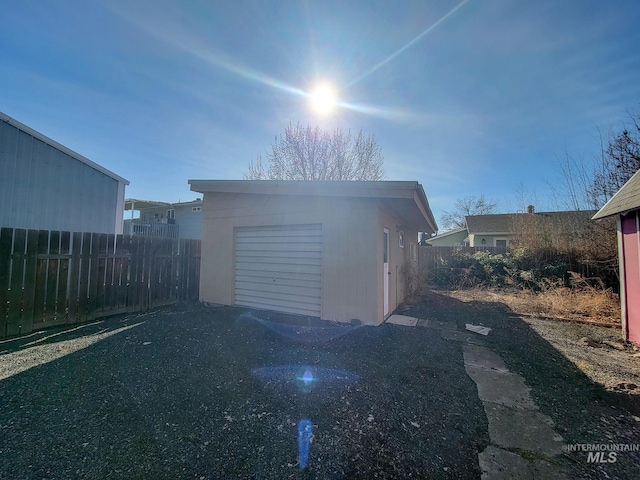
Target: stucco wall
point(350, 266)
point(398, 256)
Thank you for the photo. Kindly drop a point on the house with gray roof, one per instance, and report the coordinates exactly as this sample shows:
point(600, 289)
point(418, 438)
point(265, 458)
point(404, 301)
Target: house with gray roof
point(499, 230)
point(625, 207)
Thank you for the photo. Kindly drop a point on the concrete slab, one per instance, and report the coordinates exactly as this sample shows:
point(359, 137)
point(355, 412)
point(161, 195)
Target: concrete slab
point(528, 430)
point(501, 387)
point(544, 470)
point(477, 356)
point(499, 464)
point(403, 320)
point(439, 325)
point(467, 337)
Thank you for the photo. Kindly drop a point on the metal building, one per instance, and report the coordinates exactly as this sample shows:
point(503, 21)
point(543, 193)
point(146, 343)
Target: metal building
point(46, 186)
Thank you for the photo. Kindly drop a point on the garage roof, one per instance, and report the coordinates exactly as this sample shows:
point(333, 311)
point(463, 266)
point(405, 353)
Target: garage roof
point(625, 199)
point(405, 198)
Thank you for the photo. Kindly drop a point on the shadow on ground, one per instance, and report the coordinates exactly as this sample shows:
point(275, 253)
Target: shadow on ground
point(583, 411)
point(180, 394)
point(203, 392)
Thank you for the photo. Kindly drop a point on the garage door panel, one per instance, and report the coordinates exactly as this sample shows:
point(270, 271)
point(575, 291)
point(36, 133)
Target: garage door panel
point(261, 254)
point(292, 255)
point(279, 288)
point(280, 247)
point(278, 231)
point(277, 261)
point(276, 268)
point(279, 280)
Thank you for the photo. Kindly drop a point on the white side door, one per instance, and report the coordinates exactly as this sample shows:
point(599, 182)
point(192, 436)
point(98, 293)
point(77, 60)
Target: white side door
point(385, 269)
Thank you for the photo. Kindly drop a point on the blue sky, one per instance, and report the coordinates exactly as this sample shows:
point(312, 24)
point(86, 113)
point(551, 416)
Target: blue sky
point(480, 97)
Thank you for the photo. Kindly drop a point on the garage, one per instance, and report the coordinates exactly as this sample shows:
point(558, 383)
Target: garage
point(279, 268)
point(328, 249)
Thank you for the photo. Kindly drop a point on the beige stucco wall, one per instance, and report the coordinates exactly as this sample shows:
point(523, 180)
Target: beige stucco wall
point(352, 268)
point(397, 258)
point(349, 247)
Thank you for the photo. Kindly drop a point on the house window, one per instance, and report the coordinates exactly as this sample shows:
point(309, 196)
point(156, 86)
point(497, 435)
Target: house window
point(501, 242)
point(196, 209)
point(400, 238)
point(171, 213)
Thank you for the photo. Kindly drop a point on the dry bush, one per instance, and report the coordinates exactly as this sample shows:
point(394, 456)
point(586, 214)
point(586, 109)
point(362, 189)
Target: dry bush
point(565, 302)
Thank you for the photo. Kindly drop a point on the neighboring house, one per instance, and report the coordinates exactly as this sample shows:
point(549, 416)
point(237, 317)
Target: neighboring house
point(328, 249)
point(499, 230)
point(162, 219)
point(452, 238)
point(625, 206)
point(46, 186)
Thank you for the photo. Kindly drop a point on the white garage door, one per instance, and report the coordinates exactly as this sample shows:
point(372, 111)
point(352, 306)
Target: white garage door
point(279, 268)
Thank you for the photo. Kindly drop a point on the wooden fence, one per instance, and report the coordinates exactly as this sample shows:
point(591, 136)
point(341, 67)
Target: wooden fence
point(52, 278)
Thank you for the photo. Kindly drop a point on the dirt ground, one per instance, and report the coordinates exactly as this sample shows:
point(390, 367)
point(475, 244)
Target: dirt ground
point(601, 353)
point(208, 392)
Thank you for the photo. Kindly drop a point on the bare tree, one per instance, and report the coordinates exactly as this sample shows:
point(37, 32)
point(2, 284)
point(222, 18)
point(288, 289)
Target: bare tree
point(464, 207)
point(619, 160)
point(575, 190)
point(306, 153)
point(589, 185)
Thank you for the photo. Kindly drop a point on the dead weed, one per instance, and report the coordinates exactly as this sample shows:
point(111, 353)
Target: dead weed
point(602, 306)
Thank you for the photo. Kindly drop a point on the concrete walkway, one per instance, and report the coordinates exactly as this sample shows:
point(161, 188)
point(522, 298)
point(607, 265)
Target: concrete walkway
point(523, 442)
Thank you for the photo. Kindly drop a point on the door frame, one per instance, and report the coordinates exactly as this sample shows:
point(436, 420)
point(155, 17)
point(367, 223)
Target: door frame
point(385, 271)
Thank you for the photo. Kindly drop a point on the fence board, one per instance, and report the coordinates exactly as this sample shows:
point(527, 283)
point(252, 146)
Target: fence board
point(63, 278)
point(41, 277)
point(28, 312)
point(51, 278)
point(14, 317)
point(74, 277)
point(94, 279)
point(6, 240)
point(84, 271)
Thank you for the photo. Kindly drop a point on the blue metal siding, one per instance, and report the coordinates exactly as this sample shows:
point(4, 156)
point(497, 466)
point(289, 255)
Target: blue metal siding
point(44, 188)
point(190, 222)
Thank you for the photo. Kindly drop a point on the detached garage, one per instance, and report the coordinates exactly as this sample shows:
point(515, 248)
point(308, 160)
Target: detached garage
point(334, 250)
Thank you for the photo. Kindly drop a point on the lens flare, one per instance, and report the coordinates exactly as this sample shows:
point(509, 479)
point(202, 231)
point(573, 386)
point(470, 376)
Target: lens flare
point(305, 436)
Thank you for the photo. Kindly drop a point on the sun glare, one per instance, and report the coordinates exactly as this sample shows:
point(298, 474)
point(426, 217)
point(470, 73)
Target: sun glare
point(323, 99)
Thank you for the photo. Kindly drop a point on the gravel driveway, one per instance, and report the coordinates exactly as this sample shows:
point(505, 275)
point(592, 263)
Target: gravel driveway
point(202, 392)
point(190, 392)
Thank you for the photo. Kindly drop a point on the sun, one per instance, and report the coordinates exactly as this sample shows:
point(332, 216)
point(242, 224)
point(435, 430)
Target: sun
point(323, 99)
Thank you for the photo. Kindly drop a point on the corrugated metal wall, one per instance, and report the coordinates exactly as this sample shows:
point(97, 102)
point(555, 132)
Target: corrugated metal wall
point(44, 188)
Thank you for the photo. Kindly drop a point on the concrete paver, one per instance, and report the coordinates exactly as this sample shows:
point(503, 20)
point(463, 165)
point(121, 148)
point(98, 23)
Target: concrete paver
point(516, 426)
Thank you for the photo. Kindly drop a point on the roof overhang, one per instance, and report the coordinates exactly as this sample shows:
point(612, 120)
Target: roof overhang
point(135, 204)
point(449, 232)
point(405, 199)
point(624, 201)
